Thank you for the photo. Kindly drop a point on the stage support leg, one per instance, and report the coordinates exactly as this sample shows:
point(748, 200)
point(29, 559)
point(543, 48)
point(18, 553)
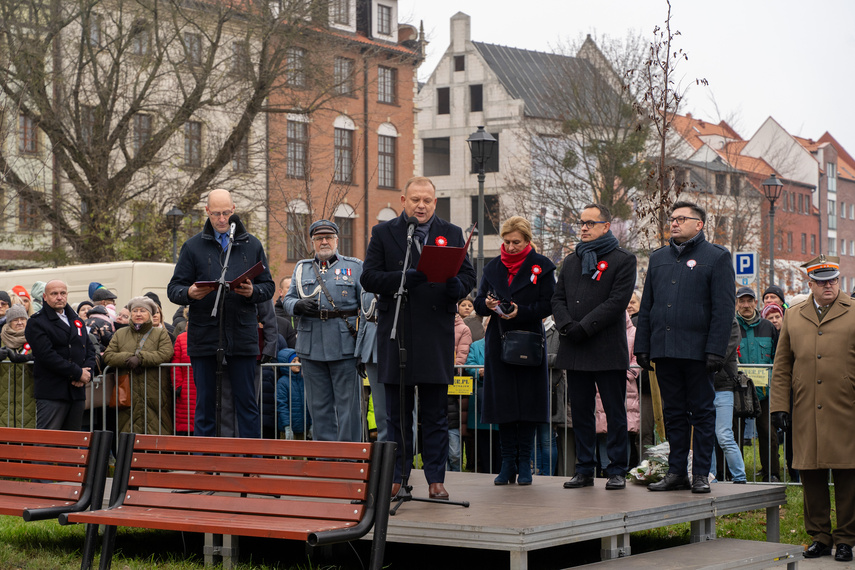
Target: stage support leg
point(703, 530)
point(519, 560)
point(616, 546)
point(773, 524)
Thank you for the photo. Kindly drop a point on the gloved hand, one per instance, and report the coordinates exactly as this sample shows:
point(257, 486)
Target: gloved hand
point(454, 289)
point(643, 360)
point(4, 353)
point(575, 332)
point(265, 358)
point(414, 278)
point(780, 420)
point(307, 307)
point(361, 370)
point(133, 362)
point(714, 362)
point(17, 357)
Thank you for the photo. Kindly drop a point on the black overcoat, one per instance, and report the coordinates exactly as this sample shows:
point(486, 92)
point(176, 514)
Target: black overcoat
point(516, 393)
point(427, 315)
point(60, 352)
point(599, 306)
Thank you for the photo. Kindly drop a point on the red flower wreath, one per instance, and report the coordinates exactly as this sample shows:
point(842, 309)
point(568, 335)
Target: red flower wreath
point(440, 241)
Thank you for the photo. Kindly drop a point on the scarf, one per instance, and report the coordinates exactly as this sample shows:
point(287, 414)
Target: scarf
point(680, 247)
point(591, 251)
point(513, 261)
point(11, 339)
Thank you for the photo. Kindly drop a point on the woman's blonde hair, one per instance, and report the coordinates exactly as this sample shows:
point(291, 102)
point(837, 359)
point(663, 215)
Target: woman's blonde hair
point(517, 224)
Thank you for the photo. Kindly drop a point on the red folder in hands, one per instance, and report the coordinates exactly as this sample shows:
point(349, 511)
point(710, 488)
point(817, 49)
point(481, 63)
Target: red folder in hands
point(248, 275)
point(442, 262)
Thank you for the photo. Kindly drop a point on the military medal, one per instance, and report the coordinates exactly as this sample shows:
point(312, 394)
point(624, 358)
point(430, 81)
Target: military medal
point(323, 268)
point(535, 271)
point(601, 266)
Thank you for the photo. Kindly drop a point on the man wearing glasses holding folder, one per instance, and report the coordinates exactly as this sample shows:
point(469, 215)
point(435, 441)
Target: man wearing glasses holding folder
point(201, 262)
point(425, 327)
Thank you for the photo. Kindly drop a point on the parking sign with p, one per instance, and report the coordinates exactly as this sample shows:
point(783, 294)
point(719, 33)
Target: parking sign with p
point(745, 266)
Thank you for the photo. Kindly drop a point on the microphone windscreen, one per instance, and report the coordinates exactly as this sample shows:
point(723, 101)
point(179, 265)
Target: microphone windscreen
point(412, 221)
point(233, 219)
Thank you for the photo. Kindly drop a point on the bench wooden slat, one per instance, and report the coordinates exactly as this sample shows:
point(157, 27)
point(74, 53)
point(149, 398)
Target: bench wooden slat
point(262, 466)
point(15, 505)
point(238, 446)
point(45, 436)
point(250, 506)
point(194, 521)
point(71, 455)
point(40, 471)
point(354, 490)
point(46, 490)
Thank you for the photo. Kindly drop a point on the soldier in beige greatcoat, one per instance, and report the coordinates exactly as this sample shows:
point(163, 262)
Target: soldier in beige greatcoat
point(815, 363)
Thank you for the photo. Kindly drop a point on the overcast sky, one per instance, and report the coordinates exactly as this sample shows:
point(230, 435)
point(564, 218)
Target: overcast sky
point(788, 59)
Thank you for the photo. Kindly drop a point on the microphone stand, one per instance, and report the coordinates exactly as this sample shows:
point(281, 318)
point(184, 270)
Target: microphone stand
point(219, 312)
point(405, 494)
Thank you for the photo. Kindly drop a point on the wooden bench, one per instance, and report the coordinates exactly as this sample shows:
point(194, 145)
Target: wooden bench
point(45, 473)
point(314, 491)
point(718, 554)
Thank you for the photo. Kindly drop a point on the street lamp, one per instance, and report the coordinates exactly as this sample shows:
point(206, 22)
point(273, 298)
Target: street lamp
point(481, 146)
point(173, 220)
point(772, 188)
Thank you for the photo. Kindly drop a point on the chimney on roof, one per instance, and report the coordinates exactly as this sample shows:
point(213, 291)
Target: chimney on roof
point(688, 115)
point(461, 25)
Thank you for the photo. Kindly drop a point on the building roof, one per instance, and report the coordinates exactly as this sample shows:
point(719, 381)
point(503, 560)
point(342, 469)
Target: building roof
point(527, 75)
point(845, 162)
point(691, 129)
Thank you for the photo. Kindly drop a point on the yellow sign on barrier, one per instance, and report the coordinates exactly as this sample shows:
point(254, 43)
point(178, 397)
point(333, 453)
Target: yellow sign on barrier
point(462, 386)
point(758, 374)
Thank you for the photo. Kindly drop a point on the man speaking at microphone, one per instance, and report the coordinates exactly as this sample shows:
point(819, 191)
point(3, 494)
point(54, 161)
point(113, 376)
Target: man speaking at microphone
point(202, 258)
point(425, 327)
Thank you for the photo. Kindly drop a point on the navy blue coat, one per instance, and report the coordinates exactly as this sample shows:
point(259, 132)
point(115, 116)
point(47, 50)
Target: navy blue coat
point(202, 259)
point(688, 302)
point(516, 393)
point(60, 353)
point(599, 307)
point(427, 315)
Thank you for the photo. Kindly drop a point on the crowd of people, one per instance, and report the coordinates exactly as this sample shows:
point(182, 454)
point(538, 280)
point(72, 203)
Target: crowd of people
point(568, 361)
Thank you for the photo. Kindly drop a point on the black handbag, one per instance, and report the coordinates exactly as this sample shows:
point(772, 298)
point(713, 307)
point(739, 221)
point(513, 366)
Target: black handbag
point(746, 404)
point(522, 348)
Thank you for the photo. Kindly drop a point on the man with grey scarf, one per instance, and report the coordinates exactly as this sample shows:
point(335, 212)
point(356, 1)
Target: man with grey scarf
point(589, 309)
point(683, 327)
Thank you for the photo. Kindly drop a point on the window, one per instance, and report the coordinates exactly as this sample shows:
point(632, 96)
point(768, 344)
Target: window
point(492, 164)
point(28, 215)
point(142, 131)
point(804, 243)
point(298, 235)
point(476, 98)
point(386, 165)
point(735, 184)
point(27, 135)
point(87, 124)
point(831, 171)
point(443, 101)
point(851, 247)
point(343, 75)
point(720, 184)
point(789, 241)
point(832, 215)
point(785, 202)
point(842, 247)
point(343, 156)
point(792, 202)
point(241, 64)
point(832, 246)
point(843, 210)
point(240, 158)
point(437, 156)
point(345, 235)
point(296, 149)
point(141, 43)
point(801, 203)
point(852, 211)
point(813, 244)
point(295, 69)
point(193, 48)
point(93, 25)
point(459, 62)
point(443, 208)
point(386, 84)
point(341, 12)
point(384, 19)
point(491, 214)
point(193, 144)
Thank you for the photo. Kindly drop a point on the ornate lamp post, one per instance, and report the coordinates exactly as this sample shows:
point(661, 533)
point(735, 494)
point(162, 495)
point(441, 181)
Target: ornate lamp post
point(481, 146)
point(173, 220)
point(772, 188)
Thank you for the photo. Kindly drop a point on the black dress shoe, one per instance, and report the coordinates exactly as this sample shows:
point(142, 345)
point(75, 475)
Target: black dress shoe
point(700, 484)
point(615, 482)
point(671, 482)
point(843, 553)
point(579, 481)
point(817, 549)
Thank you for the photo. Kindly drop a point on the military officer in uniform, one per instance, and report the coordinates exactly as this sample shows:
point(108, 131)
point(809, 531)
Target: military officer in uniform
point(325, 294)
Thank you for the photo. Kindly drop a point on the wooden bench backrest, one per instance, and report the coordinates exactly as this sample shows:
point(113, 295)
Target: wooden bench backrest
point(324, 480)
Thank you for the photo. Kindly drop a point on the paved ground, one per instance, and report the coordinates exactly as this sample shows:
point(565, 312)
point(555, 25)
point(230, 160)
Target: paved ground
point(825, 563)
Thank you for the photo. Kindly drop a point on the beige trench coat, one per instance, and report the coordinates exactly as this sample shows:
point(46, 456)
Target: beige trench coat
point(816, 363)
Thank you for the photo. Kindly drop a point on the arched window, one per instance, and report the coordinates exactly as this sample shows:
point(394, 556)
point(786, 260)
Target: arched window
point(343, 149)
point(387, 214)
point(387, 138)
point(345, 217)
point(297, 230)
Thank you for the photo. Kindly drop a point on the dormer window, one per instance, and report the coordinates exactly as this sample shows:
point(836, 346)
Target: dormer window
point(384, 19)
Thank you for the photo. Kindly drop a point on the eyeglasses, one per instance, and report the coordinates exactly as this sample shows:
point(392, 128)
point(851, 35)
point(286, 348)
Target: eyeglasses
point(225, 214)
point(826, 282)
point(589, 223)
point(681, 219)
point(318, 239)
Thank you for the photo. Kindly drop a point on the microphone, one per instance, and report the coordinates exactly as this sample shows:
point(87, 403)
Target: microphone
point(412, 222)
point(233, 220)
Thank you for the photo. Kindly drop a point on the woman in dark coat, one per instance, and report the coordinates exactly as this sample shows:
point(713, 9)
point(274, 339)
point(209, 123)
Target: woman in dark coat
point(515, 397)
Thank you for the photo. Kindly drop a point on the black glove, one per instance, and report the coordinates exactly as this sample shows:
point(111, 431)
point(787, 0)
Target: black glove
point(780, 420)
point(643, 360)
point(576, 333)
point(414, 278)
point(4, 353)
point(361, 370)
point(133, 362)
point(714, 362)
point(265, 358)
point(17, 357)
point(454, 289)
point(307, 307)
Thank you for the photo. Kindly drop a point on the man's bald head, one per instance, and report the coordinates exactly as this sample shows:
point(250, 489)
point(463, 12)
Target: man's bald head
point(219, 208)
point(56, 294)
